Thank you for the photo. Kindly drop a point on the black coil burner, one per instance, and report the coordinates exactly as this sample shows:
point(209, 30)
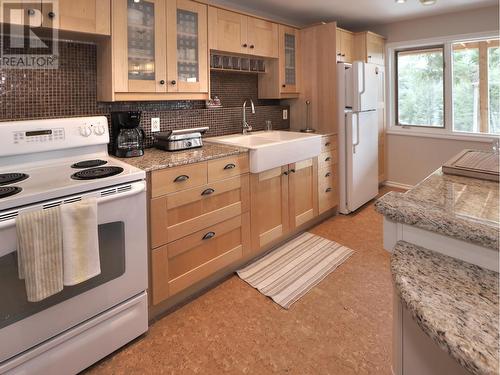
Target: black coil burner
point(89, 163)
point(94, 173)
point(7, 191)
point(10, 178)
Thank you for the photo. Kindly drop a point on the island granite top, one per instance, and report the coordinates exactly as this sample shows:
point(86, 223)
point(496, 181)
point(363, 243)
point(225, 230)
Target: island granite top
point(455, 206)
point(454, 302)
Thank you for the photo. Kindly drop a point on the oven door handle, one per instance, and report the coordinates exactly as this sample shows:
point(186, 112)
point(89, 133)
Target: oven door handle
point(136, 188)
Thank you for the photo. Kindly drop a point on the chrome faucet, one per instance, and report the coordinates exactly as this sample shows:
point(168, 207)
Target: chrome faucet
point(246, 126)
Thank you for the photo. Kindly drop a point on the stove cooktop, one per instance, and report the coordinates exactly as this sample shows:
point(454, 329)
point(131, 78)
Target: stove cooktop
point(88, 163)
point(7, 191)
point(95, 173)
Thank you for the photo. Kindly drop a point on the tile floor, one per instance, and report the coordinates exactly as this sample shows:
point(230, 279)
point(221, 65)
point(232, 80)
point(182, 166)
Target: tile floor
point(343, 326)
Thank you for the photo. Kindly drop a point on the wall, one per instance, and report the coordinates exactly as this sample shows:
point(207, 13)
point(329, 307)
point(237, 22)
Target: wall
point(410, 159)
point(70, 91)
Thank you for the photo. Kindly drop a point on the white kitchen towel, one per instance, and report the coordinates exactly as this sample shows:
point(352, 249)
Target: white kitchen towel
point(80, 241)
point(39, 252)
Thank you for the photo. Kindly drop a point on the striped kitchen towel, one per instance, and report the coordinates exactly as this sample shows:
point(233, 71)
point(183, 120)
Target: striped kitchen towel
point(39, 252)
point(289, 272)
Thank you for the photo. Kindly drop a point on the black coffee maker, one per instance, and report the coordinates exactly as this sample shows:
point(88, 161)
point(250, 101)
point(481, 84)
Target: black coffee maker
point(128, 136)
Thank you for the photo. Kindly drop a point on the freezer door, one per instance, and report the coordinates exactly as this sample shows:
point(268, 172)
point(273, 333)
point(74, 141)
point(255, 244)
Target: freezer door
point(364, 86)
point(362, 158)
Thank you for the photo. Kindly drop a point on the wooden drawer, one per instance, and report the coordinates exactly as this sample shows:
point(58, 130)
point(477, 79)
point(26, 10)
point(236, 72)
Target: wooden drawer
point(180, 214)
point(184, 262)
point(170, 180)
point(329, 143)
point(219, 169)
point(327, 175)
point(327, 197)
point(327, 158)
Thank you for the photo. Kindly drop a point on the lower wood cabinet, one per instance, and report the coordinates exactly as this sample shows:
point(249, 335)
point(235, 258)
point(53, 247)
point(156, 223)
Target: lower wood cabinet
point(190, 259)
point(328, 175)
point(303, 192)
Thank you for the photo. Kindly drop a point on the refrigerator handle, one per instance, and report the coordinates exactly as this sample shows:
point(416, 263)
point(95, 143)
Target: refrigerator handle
point(363, 69)
point(355, 115)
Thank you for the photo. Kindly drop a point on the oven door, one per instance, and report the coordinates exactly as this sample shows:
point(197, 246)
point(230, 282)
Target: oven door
point(123, 255)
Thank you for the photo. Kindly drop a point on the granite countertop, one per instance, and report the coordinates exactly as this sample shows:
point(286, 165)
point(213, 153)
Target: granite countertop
point(154, 159)
point(460, 207)
point(455, 303)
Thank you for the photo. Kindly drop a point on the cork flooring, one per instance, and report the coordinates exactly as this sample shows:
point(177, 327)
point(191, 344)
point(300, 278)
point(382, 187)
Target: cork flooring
point(343, 326)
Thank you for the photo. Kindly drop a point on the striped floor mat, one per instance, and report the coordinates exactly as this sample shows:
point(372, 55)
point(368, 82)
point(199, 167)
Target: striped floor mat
point(289, 272)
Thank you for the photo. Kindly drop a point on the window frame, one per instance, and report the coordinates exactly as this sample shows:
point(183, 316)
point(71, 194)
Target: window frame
point(447, 131)
point(396, 85)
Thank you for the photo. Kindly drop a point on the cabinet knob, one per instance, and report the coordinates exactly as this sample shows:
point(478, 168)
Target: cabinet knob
point(285, 173)
point(51, 14)
point(208, 191)
point(369, 57)
point(173, 82)
point(31, 12)
point(244, 45)
point(283, 85)
point(328, 174)
point(292, 170)
point(327, 144)
point(162, 82)
point(208, 236)
point(230, 166)
point(339, 54)
point(181, 178)
point(343, 54)
point(328, 190)
point(328, 158)
point(252, 46)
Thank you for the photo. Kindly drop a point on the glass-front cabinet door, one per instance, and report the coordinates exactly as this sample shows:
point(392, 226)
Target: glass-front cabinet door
point(187, 58)
point(289, 59)
point(139, 37)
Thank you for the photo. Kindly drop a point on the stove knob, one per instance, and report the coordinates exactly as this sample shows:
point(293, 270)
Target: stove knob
point(99, 130)
point(85, 131)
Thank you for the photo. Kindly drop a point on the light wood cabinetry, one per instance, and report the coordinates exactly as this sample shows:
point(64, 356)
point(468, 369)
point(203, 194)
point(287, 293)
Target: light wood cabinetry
point(282, 199)
point(237, 33)
point(158, 51)
point(369, 47)
point(303, 192)
point(199, 222)
point(328, 175)
point(83, 16)
point(282, 78)
point(344, 45)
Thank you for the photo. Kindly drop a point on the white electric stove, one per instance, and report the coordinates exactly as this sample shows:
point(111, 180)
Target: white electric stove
point(46, 163)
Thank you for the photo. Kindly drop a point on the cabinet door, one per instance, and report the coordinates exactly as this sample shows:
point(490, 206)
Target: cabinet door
point(139, 46)
point(375, 49)
point(338, 44)
point(269, 206)
point(303, 192)
point(262, 37)
point(289, 59)
point(227, 31)
point(21, 12)
point(347, 41)
point(84, 16)
point(187, 46)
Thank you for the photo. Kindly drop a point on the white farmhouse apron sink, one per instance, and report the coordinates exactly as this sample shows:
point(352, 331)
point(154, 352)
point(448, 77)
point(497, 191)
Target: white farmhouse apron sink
point(271, 149)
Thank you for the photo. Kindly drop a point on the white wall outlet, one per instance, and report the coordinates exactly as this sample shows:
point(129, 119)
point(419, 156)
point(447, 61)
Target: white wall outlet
point(155, 124)
point(285, 114)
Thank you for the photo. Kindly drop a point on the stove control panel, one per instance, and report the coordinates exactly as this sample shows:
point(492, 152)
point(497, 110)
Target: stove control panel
point(38, 136)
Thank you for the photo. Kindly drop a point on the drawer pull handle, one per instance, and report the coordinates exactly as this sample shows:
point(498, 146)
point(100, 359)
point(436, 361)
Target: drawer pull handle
point(328, 158)
point(230, 166)
point(327, 144)
point(285, 173)
point(181, 178)
point(208, 236)
point(328, 190)
point(328, 174)
point(292, 170)
point(208, 191)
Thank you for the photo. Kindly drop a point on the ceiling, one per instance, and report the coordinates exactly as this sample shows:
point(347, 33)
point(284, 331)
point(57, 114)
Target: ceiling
point(349, 13)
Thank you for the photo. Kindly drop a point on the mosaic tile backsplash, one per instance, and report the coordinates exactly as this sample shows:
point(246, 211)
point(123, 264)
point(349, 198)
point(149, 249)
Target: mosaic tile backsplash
point(70, 90)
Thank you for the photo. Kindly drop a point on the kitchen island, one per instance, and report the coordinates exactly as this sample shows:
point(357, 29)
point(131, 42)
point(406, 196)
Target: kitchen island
point(444, 235)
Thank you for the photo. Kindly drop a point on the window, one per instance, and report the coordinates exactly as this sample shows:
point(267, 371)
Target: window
point(446, 87)
point(420, 87)
point(476, 81)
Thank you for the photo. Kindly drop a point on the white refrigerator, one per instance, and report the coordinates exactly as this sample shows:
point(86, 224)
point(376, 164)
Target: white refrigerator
point(358, 134)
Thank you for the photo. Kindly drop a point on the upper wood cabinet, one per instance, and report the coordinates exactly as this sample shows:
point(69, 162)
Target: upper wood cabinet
point(344, 45)
point(82, 16)
point(158, 51)
point(282, 78)
point(237, 33)
point(370, 47)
